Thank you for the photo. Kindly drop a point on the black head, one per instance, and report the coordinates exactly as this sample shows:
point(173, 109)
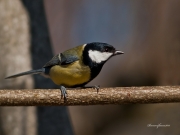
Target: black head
point(100, 52)
point(96, 54)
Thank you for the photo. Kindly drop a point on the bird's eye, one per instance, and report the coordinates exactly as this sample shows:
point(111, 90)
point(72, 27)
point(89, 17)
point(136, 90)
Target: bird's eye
point(106, 49)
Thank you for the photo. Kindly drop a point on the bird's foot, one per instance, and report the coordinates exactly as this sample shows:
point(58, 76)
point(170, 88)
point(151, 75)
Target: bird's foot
point(97, 87)
point(63, 93)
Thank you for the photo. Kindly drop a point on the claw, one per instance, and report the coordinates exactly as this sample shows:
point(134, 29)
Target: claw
point(94, 87)
point(97, 88)
point(63, 93)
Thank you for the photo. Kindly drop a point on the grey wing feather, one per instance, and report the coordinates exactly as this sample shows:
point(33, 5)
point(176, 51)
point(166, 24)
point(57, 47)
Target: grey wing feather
point(68, 59)
point(56, 60)
point(61, 59)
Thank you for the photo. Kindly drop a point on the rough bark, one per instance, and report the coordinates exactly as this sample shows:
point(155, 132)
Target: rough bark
point(118, 95)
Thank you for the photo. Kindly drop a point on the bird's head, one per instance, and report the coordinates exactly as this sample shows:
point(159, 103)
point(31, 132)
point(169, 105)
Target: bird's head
point(99, 53)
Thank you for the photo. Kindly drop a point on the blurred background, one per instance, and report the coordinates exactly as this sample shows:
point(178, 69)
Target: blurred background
point(149, 34)
point(147, 31)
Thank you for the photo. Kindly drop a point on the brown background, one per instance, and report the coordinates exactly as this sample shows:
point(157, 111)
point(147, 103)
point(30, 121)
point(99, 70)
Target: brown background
point(147, 31)
point(149, 34)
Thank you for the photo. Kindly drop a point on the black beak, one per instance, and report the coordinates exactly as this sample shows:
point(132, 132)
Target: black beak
point(118, 52)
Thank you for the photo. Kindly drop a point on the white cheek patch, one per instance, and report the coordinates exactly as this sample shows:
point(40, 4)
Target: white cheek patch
point(98, 57)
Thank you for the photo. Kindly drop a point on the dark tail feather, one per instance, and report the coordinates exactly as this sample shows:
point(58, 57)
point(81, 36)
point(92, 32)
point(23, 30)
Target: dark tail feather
point(38, 71)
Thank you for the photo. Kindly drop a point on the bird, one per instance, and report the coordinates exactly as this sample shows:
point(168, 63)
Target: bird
point(75, 67)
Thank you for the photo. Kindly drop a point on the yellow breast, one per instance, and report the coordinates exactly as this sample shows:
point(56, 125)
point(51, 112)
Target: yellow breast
point(69, 75)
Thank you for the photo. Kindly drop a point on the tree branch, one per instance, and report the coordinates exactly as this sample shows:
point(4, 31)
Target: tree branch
point(118, 95)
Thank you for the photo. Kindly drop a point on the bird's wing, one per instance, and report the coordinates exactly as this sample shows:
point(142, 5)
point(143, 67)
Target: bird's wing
point(61, 59)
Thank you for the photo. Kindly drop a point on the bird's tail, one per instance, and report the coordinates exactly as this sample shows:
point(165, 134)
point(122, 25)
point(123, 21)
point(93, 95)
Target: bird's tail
point(38, 71)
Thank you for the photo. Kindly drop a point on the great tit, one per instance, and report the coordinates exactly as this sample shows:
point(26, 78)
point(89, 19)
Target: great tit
point(75, 67)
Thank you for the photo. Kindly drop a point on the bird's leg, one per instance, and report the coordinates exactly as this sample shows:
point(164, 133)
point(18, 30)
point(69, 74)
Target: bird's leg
point(94, 87)
point(63, 92)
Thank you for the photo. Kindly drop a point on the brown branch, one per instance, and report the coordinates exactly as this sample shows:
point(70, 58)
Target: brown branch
point(118, 95)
